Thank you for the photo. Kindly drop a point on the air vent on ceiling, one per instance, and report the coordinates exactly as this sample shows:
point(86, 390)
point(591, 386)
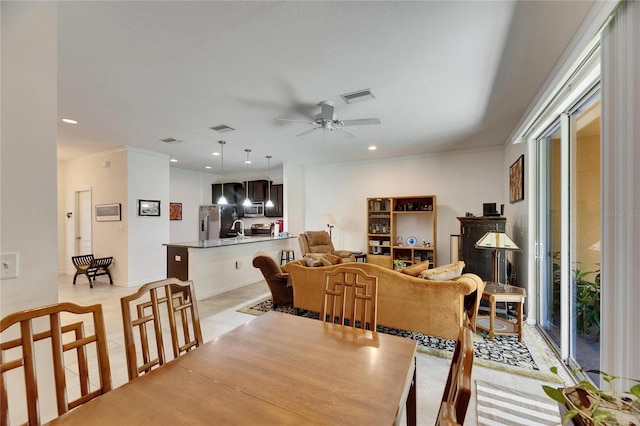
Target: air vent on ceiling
point(169, 140)
point(358, 96)
point(223, 128)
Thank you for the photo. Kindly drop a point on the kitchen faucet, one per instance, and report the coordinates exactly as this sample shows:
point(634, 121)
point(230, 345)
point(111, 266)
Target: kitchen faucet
point(233, 226)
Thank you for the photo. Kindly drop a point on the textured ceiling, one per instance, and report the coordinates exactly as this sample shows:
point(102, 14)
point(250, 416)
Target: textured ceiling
point(446, 75)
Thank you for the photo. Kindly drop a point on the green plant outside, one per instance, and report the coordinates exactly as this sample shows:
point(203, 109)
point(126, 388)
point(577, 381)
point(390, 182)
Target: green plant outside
point(587, 298)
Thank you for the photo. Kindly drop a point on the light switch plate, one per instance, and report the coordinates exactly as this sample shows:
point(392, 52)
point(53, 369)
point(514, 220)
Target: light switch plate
point(8, 265)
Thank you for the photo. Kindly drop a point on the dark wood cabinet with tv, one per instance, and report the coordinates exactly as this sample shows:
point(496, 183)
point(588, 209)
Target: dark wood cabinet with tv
point(478, 261)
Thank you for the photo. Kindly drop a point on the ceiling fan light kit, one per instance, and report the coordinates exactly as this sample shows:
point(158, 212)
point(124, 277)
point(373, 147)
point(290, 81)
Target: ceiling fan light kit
point(328, 120)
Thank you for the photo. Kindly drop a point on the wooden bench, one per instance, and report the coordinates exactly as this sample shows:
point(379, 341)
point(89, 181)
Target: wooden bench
point(91, 267)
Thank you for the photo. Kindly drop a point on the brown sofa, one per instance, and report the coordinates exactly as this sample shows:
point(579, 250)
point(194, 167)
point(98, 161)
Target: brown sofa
point(319, 242)
point(406, 302)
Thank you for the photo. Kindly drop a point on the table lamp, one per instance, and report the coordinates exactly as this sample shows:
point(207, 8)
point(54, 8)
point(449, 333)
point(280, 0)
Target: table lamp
point(496, 241)
point(329, 220)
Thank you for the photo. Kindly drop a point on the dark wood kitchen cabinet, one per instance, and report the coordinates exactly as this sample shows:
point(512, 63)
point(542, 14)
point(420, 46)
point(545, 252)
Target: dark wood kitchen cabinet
point(257, 190)
point(478, 261)
point(277, 198)
point(233, 191)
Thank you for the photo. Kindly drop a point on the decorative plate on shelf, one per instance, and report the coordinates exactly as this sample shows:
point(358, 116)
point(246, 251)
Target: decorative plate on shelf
point(412, 241)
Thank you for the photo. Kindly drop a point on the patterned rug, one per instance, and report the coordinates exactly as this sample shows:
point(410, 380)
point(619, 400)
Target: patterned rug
point(503, 353)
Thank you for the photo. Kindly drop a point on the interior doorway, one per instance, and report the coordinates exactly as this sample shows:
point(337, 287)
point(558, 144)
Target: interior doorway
point(83, 230)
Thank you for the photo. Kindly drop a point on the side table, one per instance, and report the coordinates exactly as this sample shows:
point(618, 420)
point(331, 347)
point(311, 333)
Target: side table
point(494, 292)
point(360, 256)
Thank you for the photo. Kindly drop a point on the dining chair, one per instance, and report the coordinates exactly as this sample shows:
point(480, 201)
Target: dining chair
point(59, 333)
point(350, 294)
point(457, 391)
point(447, 415)
point(148, 312)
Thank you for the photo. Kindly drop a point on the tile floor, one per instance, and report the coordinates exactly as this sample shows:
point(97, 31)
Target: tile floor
point(218, 315)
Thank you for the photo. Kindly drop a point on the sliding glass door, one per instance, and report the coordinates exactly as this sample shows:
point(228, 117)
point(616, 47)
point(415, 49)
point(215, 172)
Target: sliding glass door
point(568, 243)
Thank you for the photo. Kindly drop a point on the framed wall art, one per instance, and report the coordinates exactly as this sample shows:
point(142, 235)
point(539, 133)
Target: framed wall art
point(148, 207)
point(175, 211)
point(516, 180)
point(108, 212)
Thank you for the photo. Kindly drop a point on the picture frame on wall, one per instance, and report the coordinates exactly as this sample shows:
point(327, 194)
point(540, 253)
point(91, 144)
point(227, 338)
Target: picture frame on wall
point(516, 180)
point(148, 207)
point(175, 211)
point(108, 212)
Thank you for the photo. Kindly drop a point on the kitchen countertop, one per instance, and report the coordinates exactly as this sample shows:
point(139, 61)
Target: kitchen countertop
point(225, 242)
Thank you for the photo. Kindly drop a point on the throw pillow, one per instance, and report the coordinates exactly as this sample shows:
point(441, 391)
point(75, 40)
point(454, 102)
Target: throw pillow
point(444, 272)
point(316, 260)
point(414, 270)
point(333, 259)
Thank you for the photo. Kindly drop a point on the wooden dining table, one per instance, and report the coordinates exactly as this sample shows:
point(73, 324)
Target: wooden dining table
point(274, 369)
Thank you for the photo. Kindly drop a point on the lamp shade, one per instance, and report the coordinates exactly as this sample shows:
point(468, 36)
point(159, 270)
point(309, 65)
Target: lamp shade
point(328, 219)
point(496, 240)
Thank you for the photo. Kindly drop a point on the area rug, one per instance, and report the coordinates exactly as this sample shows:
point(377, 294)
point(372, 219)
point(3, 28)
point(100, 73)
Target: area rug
point(504, 353)
point(497, 405)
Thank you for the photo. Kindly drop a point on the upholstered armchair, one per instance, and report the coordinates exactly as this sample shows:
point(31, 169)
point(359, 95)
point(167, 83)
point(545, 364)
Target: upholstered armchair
point(277, 280)
point(320, 242)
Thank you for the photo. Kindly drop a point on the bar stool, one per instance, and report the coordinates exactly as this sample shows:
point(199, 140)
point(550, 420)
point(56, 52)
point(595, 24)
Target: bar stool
point(287, 255)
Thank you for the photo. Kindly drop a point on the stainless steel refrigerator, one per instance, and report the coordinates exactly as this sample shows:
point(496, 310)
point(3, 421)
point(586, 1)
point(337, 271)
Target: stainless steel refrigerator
point(209, 222)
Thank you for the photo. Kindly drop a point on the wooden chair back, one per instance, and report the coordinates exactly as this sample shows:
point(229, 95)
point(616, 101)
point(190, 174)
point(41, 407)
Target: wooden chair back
point(447, 415)
point(457, 391)
point(59, 333)
point(350, 294)
point(166, 305)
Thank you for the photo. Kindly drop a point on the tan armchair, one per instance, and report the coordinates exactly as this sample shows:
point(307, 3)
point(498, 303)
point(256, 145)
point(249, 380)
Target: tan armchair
point(320, 242)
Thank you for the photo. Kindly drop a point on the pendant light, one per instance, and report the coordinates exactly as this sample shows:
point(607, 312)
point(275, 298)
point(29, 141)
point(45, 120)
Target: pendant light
point(222, 199)
point(269, 203)
point(247, 201)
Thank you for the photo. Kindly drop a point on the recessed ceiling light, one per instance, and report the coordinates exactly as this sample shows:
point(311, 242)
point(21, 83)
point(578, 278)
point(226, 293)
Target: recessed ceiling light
point(358, 96)
point(372, 148)
point(173, 160)
point(222, 128)
point(215, 153)
point(207, 167)
point(69, 121)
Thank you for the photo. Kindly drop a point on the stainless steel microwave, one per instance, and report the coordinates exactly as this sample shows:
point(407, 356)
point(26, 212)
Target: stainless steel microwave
point(254, 210)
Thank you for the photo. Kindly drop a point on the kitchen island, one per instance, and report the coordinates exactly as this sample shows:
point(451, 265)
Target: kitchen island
point(220, 265)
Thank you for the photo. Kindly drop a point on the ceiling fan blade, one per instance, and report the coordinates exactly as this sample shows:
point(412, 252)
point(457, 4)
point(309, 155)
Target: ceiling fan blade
point(361, 122)
point(295, 121)
point(309, 131)
point(327, 110)
point(344, 133)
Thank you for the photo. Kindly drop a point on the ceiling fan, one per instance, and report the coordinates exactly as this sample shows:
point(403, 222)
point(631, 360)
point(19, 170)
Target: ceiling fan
point(327, 120)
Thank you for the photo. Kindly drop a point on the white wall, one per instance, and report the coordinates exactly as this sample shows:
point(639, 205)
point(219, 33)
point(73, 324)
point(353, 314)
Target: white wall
point(28, 210)
point(461, 181)
point(294, 200)
point(187, 187)
point(105, 175)
point(518, 226)
point(148, 179)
